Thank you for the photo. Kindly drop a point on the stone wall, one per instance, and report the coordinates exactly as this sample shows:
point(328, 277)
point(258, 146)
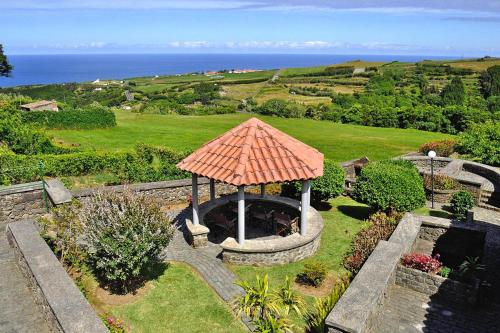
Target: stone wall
point(64, 306)
point(21, 202)
point(271, 258)
point(168, 192)
point(435, 285)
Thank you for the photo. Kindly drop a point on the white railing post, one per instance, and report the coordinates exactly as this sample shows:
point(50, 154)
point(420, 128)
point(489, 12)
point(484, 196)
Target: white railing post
point(194, 198)
point(241, 214)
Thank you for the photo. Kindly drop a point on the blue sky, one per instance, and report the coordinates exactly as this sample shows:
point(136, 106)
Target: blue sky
point(416, 27)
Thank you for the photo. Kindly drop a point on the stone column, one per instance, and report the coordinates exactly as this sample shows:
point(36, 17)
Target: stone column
point(304, 205)
point(262, 190)
point(241, 214)
point(212, 189)
point(194, 198)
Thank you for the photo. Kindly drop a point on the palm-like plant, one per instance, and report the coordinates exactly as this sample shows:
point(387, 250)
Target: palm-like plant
point(470, 267)
point(289, 299)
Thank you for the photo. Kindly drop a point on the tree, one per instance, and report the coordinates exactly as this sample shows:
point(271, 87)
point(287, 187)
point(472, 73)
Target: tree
point(490, 81)
point(454, 92)
point(5, 67)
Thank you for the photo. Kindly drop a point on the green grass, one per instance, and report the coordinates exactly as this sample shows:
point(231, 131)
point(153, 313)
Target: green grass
point(337, 141)
point(179, 302)
point(341, 223)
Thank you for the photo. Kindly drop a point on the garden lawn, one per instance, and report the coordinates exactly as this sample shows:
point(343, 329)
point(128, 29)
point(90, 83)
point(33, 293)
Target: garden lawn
point(338, 142)
point(341, 223)
point(180, 302)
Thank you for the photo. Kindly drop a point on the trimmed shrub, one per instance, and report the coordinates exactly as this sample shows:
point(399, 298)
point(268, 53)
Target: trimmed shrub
point(422, 262)
point(93, 116)
point(324, 188)
point(481, 142)
point(460, 203)
point(443, 148)
point(314, 274)
point(390, 186)
point(441, 182)
point(380, 226)
point(124, 233)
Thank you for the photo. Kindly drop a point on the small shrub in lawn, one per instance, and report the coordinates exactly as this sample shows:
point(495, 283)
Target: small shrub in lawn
point(314, 274)
point(460, 203)
point(124, 233)
point(443, 148)
point(422, 262)
point(114, 325)
point(390, 185)
point(315, 319)
point(380, 226)
point(441, 182)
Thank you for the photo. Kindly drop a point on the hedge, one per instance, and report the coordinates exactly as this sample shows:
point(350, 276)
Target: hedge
point(390, 186)
point(72, 119)
point(146, 164)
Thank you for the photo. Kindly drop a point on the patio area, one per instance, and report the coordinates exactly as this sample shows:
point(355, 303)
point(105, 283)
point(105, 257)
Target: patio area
point(255, 229)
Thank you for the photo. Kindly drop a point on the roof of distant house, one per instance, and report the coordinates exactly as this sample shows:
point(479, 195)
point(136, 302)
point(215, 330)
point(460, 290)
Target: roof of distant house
point(255, 153)
point(38, 104)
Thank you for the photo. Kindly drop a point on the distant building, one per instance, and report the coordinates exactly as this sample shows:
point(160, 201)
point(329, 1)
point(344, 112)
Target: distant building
point(358, 70)
point(40, 106)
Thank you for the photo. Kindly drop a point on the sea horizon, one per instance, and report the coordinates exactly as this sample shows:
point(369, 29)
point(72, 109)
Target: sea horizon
point(34, 69)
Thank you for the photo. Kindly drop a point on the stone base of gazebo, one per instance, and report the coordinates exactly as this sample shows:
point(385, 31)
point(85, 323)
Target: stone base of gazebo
point(261, 252)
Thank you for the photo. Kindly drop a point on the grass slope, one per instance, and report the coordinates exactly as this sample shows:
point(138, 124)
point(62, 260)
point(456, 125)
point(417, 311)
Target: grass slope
point(337, 141)
point(179, 302)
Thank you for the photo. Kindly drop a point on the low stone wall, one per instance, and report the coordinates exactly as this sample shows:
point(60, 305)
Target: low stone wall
point(441, 196)
point(64, 306)
point(435, 285)
point(20, 202)
point(168, 192)
point(357, 310)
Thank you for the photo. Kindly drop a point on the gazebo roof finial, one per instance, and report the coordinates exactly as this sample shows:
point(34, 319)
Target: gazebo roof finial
point(255, 153)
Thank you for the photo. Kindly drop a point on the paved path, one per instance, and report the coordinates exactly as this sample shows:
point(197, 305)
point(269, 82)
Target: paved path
point(204, 260)
point(18, 311)
point(408, 311)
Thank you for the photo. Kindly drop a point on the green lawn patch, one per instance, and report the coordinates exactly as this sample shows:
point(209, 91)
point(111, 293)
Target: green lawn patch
point(180, 301)
point(338, 142)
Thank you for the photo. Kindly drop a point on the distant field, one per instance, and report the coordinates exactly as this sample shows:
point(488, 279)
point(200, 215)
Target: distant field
point(337, 141)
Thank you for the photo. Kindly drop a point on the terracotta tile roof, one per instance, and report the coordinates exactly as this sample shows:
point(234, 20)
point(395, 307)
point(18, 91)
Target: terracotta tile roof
point(255, 153)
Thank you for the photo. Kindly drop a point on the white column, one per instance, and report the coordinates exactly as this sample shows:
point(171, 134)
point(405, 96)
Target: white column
point(212, 189)
point(241, 214)
point(194, 198)
point(304, 205)
point(262, 190)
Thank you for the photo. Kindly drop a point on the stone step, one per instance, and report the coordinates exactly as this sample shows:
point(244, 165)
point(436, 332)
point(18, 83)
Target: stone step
point(488, 206)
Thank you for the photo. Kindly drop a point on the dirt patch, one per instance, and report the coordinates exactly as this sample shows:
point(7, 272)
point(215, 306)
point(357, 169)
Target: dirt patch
point(323, 290)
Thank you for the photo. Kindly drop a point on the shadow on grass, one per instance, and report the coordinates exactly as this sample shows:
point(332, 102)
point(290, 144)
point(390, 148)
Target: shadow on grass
point(321, 206)
point(440, 213)
point(357, 212)
point(153, 272)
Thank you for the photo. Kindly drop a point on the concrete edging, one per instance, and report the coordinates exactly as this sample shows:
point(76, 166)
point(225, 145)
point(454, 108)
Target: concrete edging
point(64, 306)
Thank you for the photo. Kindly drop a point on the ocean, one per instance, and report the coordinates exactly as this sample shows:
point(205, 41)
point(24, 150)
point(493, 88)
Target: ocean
point(46, 69)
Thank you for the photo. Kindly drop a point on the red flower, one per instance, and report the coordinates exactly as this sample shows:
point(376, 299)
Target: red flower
point(422, 262)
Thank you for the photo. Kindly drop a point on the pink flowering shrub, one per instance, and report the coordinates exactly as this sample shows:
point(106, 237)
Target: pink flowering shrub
point(422, 262)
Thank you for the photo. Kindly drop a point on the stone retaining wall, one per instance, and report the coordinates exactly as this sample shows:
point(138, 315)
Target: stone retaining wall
point(64, 306)
point(435, 285)
point(357, 310)
point(21, 202)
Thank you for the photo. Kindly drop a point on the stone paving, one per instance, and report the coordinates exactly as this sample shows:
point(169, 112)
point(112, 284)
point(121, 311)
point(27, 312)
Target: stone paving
point(18, 311)
point(408, 311)
point(204, 260)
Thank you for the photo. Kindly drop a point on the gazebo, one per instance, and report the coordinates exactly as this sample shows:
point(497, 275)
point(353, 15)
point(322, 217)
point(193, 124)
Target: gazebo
point(254, 153)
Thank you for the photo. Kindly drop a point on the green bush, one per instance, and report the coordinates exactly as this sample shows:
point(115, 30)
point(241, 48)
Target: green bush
point(324, 188)
point(281, 108)
point(481, 142)
point(460, 203)
point(441, 182)
point(92, 116)
point(443, 148)
point(390, 186)
point(314, 273)
point(124, 233)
